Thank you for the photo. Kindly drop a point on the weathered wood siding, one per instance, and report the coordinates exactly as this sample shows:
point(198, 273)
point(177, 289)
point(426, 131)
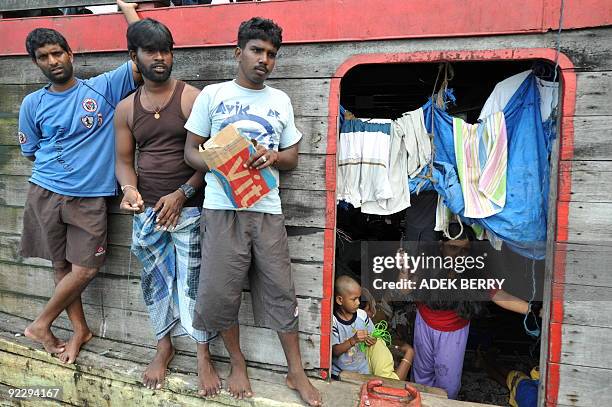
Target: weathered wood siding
point(583, 362)
point(305, 72)
point(113, 301)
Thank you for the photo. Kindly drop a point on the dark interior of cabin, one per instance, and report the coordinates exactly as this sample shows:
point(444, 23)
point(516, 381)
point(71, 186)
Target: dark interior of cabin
point(385, 91)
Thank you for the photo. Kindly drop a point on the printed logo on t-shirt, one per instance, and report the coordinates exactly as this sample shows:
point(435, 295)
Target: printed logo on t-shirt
point(88, 121)
point(100, 119)
point(254, 127)
point(273, 113)
point(100, 251)
point(22, 137)
point(90, 105)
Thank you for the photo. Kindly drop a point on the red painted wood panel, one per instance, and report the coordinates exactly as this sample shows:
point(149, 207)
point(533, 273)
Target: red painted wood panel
point(307, 21)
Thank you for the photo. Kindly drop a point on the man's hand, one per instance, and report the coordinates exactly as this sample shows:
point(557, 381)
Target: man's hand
point(123, 5)
point(132, 201)
point(262, 158)
point(129, 11)
point(168, 210)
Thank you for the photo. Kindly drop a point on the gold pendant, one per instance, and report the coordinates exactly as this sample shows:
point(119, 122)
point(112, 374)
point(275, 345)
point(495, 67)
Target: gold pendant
point(156, 115)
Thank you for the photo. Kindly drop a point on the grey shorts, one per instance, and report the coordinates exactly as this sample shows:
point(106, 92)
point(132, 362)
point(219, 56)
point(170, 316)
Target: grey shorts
point(237, 245)
point(64, 228)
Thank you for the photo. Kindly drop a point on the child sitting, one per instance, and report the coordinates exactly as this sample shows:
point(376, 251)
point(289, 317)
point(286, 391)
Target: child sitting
point(351, 327)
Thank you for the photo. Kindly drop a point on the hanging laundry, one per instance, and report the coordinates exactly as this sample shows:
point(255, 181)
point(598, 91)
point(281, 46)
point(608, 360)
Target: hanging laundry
point(482, 234)
point(481, 155)
point(363, 162)
point(418, 145)
point(410, 153)
point(421, 182)
point(503, 91)
point(443, 217)
point(522, 222)
point(398, 161)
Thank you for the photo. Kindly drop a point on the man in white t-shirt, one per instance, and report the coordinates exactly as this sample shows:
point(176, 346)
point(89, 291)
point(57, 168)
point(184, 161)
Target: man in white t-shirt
point(255, 238)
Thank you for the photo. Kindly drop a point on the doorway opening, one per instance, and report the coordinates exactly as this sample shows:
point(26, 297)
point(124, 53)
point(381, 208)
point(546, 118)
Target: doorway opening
point(497, 338)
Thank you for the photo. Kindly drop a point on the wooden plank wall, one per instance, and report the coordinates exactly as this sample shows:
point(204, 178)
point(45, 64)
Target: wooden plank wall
point(304, 72)
point(582, 366)
point(113, 301)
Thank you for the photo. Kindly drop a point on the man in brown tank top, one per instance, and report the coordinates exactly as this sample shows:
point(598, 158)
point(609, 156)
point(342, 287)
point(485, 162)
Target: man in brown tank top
point(166, 197)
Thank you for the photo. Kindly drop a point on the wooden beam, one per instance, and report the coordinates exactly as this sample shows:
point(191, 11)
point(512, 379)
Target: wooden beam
point(590, 223)
point(305, 248)
point(301, 208)
point(591, 137)
point(317, 60)
point(16, 169)
point(91, 386)
point(110, 372)
point(582, 305)
point(259, 345)
point(186, 363)
point(593, 91)
point(583, 386)
point(590, 181)
point(126, 294)
point(329, 21)
point(586, 346)
point(584, 264)
point(308, 96)
point(313, 130)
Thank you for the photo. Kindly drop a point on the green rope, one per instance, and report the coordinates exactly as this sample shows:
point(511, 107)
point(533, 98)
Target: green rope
point(381, 331)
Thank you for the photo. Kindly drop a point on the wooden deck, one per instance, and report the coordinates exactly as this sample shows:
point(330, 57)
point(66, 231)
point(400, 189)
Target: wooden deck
point(108, 373)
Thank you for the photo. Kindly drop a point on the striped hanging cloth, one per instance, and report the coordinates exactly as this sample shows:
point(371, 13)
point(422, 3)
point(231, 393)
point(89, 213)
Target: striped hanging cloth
point(481, 151)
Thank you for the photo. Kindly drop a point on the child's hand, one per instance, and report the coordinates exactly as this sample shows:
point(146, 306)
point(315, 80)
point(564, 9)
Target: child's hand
point(370, 340)
point(361, 335)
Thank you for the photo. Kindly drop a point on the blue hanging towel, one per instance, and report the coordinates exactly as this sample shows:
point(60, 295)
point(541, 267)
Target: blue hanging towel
point(522, 222)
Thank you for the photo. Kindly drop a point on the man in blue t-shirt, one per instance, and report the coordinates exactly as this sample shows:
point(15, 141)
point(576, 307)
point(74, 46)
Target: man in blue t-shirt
point(66, 129)
point(234, 240)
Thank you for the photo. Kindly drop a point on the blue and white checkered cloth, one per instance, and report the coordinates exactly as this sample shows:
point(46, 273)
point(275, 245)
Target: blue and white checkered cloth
point(171, 270)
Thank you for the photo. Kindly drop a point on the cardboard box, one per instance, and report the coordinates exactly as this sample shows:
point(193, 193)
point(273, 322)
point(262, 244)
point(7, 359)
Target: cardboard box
point(225, 153)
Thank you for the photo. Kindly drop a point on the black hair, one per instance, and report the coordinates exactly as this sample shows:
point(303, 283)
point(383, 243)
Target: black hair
point(466, 303)
point(258, 28)
point(40, 37)
point(149, 34)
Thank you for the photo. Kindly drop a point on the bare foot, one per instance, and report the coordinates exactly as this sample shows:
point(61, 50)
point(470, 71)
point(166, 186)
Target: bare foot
point(210, 384)
point(238, 383)
point(73, 347)
point(45, 337)
point(154, 375)
point(308, 393)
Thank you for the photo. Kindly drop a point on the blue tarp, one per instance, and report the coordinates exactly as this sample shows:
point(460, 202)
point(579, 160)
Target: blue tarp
point(522, 222)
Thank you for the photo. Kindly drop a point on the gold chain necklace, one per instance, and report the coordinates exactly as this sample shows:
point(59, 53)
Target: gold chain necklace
point(157, 108)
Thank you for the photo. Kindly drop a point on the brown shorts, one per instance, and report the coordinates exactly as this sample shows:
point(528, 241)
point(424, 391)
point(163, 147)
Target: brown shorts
point(64, 228)
point(237, 245)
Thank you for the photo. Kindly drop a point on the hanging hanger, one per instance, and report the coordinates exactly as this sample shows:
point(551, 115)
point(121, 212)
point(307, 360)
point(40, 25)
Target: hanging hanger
point(543, 70)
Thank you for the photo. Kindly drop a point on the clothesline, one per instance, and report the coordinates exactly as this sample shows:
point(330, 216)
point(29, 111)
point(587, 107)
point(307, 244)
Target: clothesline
point(493, 174)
